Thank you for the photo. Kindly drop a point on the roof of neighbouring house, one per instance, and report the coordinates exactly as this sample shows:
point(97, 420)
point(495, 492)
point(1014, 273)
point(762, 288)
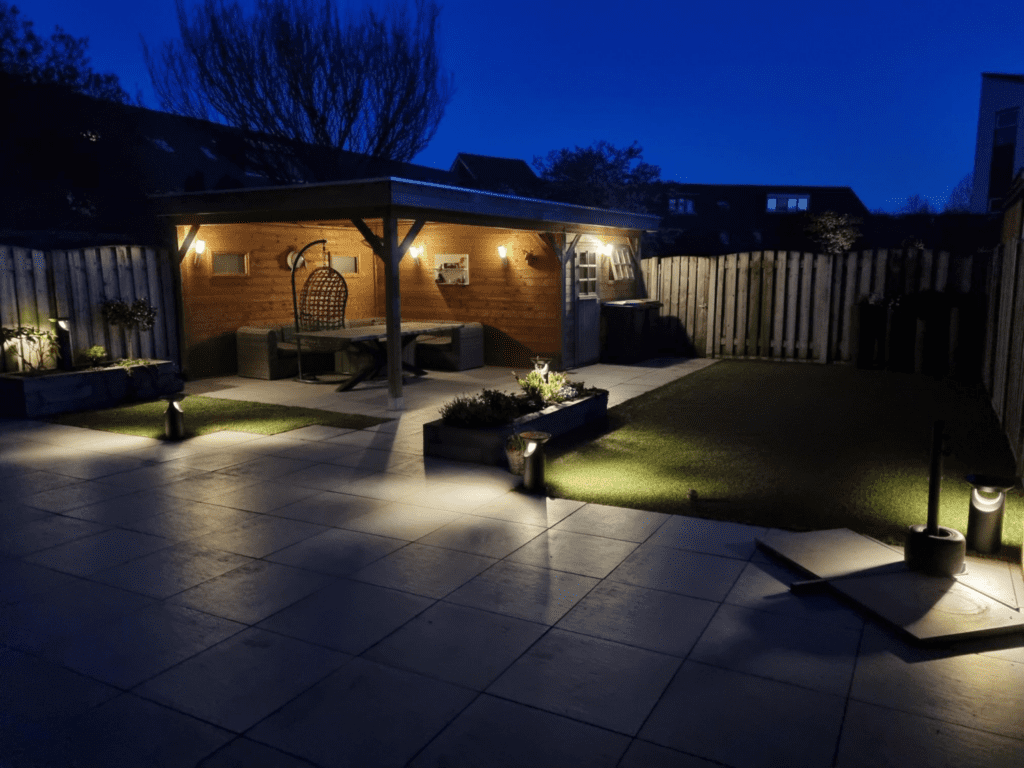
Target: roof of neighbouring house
point(1004, 76)
point(496, 174)
point(730, 218)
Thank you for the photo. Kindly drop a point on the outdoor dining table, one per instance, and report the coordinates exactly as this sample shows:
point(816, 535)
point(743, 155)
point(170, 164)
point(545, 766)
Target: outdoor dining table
point(373, 339)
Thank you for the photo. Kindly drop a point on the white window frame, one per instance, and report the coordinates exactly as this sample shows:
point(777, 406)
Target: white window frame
point(621, 265)
point(586, 274)
point(340, 264)
point(244, 260)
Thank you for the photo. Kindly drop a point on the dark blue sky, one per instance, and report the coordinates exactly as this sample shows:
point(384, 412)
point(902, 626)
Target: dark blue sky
point(879, 95)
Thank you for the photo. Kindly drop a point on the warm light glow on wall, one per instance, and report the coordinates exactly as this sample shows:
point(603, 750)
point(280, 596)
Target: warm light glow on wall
point(502, 251)
point(416, 251)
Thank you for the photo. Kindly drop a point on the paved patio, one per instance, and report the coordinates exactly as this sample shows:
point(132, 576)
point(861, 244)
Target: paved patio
point(326, 597)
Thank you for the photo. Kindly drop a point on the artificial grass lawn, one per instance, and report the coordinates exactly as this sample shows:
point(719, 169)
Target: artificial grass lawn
point(793, 446)
point(212, 414)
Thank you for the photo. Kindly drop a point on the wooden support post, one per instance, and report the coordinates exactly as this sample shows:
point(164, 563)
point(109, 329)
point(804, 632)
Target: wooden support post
point(393, 312)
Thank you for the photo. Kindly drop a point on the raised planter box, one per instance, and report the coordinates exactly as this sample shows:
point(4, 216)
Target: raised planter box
point(487, 446)
point(67, 391)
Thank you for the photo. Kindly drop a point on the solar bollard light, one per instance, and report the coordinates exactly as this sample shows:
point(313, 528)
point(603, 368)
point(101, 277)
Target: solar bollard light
point(933, 549)
point(985, 518)
point(174, 419)
point(533, 457)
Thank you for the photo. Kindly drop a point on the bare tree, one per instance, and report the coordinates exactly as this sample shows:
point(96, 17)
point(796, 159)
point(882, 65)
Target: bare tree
point(602, 176)
point(60, 60)
point(960, 198)
point(371, 84)
point(915, 204)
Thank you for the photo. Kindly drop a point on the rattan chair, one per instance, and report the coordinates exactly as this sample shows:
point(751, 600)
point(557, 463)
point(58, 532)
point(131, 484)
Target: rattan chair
point(320, 308)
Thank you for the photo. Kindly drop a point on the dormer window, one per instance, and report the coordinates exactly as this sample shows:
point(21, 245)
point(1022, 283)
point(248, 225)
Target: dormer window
point(787, 203)
point(680, 205)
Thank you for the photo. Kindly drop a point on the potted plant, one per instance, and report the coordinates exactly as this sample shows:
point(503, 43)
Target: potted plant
point(515, 446)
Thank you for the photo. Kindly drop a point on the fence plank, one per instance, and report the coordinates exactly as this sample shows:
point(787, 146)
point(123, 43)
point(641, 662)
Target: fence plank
point(700, 328)
point(822, 307)
point(803, 346)
point(882, 272)
point(767, 296)
point(850, 301)
point(942, 272)
point(1015, 355)
point(742, 301)
point(779, 318)
point(82, 310)
point(926, 279)
point(729, 306)
point(1004, 322)
point(714, 311)
point(8, 306)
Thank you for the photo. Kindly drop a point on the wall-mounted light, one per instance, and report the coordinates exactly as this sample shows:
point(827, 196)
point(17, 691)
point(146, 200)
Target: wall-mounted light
point(606, 249)
point(416, 251)
point(200, 246)
point(502, 251)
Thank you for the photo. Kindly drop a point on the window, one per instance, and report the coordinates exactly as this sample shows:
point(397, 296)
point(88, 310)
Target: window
point(586, 274)
point(621, 265)
point(230, 264)
point(680, 205)
point(787, 203)
point(346, 265)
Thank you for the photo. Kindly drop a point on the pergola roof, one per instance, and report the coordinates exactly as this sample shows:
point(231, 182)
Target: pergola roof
point(402, 198)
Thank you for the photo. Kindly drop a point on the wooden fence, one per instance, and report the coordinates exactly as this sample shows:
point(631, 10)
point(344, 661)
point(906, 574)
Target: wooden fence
point(1003, 371)
point(785, 305)
point(36, 286)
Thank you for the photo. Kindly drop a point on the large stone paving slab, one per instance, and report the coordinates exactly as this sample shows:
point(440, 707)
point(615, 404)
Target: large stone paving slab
point(929, 609)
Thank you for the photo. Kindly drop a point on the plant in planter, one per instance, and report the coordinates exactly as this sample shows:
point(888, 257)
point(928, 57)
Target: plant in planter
point(45, 343)
point(95, 355)
point(137, 316)
point(484, 428)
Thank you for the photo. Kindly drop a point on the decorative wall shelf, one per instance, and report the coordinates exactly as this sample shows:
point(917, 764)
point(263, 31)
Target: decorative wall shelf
point(451, 269)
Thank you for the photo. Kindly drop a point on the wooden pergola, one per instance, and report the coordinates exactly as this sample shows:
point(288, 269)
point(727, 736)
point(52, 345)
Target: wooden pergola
point(392, 200)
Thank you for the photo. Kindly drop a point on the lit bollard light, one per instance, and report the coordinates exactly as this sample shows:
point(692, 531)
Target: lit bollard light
point(985, 517)
point(65, 359)
point(533, 456)
point(174, 420)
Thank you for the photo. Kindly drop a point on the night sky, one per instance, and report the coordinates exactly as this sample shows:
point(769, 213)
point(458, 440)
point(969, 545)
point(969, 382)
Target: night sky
point(881, 96)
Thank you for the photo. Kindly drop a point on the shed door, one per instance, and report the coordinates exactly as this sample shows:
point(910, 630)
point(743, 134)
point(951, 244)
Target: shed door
point(586, 316)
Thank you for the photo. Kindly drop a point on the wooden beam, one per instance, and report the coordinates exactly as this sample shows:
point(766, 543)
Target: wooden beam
point(410, 236)
point(187, 243)
point(375, 242)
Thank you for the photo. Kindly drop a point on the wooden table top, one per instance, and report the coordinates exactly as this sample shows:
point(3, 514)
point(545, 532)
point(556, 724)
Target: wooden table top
point(371, 332)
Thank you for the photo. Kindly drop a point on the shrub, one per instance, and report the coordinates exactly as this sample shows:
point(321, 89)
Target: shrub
point(491, 408)
point(45, 343)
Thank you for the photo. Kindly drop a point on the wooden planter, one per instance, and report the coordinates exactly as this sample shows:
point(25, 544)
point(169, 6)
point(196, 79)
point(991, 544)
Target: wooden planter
point(487, 446)
point(66, 391)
